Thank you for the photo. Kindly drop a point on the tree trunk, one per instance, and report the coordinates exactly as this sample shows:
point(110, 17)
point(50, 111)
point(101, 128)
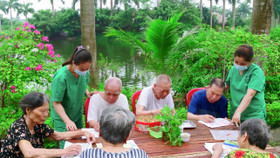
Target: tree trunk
point(11, 18)
point(261, 16)
point(223, 19)
point(158, 3)
point(272, 17)
point(100, 1)
point(73, 4)
point(0, 25)
point(277, 22)
point(201, 13)
point(89, 37)
point(52, 9)
point(211, 13)
point(112, 8)
point(233, 12)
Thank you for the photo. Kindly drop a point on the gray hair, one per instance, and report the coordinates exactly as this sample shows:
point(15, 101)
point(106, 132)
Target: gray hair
point(115, 124)
point(113, 79)
point(163, 78)
point(257, 131)
point(33, 100)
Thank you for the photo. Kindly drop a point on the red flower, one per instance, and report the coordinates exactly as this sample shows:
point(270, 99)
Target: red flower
point(271, 155)
point(275, 72)
point(238, 154)
point(272, 73)
point(266, 81)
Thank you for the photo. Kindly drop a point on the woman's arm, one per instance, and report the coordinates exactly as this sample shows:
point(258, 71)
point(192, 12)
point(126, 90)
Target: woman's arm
point(243, 105)
point(29, 151)
point(217, 150)
point(70, 125)
point(72, 134)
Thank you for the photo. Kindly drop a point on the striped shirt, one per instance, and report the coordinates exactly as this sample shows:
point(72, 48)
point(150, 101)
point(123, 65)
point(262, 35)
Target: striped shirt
point(99, 153)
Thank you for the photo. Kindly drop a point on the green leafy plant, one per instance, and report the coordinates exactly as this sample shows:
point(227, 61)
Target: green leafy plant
point(272, 88)
point(272, 111)
point(171, 124)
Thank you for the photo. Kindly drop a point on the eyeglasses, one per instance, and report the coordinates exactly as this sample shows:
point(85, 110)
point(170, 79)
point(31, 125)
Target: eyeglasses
point(112, 94)
point(162, 90)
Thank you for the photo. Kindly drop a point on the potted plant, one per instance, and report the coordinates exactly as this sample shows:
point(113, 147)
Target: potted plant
point(171, 125)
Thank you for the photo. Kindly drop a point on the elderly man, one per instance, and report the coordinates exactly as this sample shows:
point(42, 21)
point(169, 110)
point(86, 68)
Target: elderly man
point(152, 99)
point(110, 97)
point(209, 103)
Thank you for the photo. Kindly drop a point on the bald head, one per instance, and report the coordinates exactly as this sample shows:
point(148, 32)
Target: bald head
point(163, 79)
point(113, 82)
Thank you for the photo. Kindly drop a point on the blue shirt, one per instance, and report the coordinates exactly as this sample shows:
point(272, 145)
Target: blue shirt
point(200, 105)
point(99, 153)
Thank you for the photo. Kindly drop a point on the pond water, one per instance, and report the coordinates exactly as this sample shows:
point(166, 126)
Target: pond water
point(130, 68)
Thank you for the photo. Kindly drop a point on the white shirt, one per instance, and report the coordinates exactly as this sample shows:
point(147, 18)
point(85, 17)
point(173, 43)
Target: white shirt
point(150, 102)
point(97, 104)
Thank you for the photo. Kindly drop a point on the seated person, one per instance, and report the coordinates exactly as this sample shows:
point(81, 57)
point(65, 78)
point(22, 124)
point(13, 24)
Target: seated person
point(115, 126)
point(152, 99)
point(252, 139)
point(26, 135)
point(110, 97)
point(209, 103)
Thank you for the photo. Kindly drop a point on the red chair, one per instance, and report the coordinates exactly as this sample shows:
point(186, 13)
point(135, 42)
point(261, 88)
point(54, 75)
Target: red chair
point(133, 100)
point(86, 111)
point(190, 93)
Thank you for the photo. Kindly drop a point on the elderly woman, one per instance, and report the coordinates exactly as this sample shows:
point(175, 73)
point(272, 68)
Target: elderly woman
point(115, 126)
point(252, 140)
point(246, 82)
point(26, 135)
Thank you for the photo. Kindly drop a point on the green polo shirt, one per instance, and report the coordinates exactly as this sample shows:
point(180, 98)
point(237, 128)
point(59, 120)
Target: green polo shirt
point(252, 78)
point(68, 90)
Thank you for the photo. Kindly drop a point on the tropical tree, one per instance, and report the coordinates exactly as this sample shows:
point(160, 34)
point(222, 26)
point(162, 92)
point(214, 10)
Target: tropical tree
point(25, 9)
point(3, 8)
point(211, 15)
point(74, 3)
point(244, 10)
point(161, 41)
point(52, 4)
point(89, 37)
point(275, 12)
point(12, 4)
point(261, 17)
point(201, 9)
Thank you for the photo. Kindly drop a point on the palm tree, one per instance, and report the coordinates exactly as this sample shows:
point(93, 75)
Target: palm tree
point(200, 6)
point(211, 16)
point(161, 40)
point(12, 4)
point(275, 12)
point(52, 3)
point(261, 17)
point(3, 8)
point(89, 37)
point(74, 3)
point(25, 9)
point(244, 10)
point(223, 19)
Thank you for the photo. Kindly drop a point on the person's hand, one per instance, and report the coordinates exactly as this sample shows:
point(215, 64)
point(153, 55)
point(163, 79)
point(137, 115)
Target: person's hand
point(236, 119)
point(71, 126)
point(96, 126)
point(156, 111)
point(207, 118)
point(91, 93)
point(90, 137)
point(73, 150)
point(217, 150)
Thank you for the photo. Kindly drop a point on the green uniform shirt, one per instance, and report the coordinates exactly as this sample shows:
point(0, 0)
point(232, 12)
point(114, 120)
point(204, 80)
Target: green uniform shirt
point(68, 90)
point(252, 78)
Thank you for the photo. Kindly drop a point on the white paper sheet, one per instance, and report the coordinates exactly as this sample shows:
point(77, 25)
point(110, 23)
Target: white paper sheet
point(218, 122)
point(92, 131)
point(226, 148)
point(224, 134)
point(84, 147)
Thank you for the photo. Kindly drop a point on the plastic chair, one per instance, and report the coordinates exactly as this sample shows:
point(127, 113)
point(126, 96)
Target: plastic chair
point(86, 111)
point(133, 100)
point(191, 92)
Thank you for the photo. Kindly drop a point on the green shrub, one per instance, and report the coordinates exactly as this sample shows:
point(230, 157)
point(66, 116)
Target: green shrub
point(273, 111)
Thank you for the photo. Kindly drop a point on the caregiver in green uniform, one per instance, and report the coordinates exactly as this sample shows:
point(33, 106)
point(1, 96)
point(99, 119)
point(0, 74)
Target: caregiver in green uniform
point(68, 87)
point(247, 83)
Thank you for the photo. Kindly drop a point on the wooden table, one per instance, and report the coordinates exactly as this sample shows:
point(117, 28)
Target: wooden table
point(156, 148)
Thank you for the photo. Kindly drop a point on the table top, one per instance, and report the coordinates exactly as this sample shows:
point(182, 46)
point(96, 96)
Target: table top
point(156, 148)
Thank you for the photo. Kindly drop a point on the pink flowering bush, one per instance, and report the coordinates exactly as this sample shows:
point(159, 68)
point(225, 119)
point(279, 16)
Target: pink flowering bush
point(27, 62)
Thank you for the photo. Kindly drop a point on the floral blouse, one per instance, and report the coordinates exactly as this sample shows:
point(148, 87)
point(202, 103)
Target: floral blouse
point(249, 153)
point(19, 131)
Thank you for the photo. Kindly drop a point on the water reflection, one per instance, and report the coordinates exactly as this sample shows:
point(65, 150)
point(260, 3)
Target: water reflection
point(129, 68)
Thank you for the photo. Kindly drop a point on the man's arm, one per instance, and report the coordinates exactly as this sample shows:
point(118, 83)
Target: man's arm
point(94, 124)
point(140, 111)
point(205, 118)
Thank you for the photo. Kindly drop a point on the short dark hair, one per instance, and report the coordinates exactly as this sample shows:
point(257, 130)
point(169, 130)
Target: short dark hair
point(244, 51)
point(218, 82)
point(33, 100)
point(79, 56)
point(115, 124)
point(257, 131)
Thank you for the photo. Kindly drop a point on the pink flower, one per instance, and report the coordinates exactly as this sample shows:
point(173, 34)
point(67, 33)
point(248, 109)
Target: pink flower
point(37, 32)
point(51, 52)
point(49, 46)
point(25, 24)
point(45, 38)
point(16, 46)
point(18, 28)
point(27, 68)
point(40, 46)
point(32, 26)
point(58, 55)
point(7, 37)
point(29, 30)
point(54, 60)
point(13, 91)
point(232, 28)
point(38, 67)
point(23, 29)
point(13, 87)
point(52, 56)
